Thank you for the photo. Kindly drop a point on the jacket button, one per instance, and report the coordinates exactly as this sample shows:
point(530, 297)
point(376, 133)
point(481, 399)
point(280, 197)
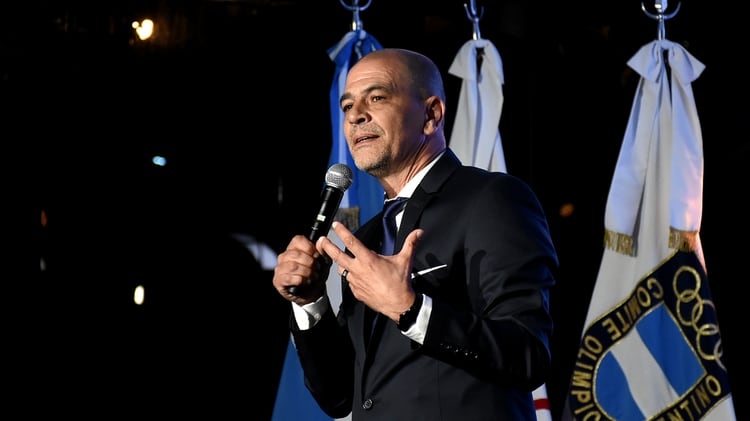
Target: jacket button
point(367, 404)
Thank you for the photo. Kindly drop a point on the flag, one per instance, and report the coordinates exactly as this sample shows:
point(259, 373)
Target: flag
point(651, 346)
point(475, 137)
point(360, 202)
point(364, 199)
point(541, 403)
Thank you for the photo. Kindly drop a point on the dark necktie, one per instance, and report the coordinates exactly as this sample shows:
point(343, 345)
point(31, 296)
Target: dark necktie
point(390, 210)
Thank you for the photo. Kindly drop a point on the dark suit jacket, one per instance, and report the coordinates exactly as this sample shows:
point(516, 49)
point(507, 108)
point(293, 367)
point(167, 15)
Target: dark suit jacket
point(487, 344)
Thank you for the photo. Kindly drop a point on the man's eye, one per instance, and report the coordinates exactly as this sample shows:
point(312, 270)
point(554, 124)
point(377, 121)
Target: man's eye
point(376, 98)
point(346, 107)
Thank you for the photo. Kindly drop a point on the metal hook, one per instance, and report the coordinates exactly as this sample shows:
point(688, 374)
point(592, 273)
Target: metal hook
point(660, 17)
point(355, 9)
point(471, 13)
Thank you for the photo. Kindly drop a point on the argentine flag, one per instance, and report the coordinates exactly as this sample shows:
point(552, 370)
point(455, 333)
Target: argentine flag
point(361, 201)
point(475, 137)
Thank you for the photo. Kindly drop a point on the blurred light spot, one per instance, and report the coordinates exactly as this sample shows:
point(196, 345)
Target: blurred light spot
point(262, 252)
point(42, 264)
point(44, 218)
point(159, 160)
point(143, 29)
point(139, 295)
point(566, 210)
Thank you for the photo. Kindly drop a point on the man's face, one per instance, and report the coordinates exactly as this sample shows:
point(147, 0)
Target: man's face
point(382, 115)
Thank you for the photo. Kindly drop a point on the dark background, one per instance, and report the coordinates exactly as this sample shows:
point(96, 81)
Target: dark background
point(235, 95)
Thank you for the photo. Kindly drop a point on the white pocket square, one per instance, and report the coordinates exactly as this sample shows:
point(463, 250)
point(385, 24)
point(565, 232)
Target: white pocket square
point(428, 270)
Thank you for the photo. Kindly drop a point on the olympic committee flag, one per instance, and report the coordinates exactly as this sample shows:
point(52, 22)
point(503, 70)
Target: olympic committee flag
point(361, 201)
point(651, 346)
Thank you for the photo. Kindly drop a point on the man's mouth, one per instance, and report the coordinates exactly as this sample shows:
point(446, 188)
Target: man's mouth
point(363, 138)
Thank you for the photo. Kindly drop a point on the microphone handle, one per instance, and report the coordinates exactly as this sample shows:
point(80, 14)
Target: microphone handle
point(329, 204)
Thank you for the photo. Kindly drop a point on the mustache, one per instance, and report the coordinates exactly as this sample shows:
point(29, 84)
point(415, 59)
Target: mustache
point(365, 131)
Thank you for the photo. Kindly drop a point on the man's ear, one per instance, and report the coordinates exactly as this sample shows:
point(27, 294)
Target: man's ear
point(434, 115)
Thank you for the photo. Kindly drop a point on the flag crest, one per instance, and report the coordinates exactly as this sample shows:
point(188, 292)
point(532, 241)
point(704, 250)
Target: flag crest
point(678, 370)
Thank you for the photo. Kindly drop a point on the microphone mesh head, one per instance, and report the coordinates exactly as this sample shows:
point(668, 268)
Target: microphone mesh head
point(339, 176)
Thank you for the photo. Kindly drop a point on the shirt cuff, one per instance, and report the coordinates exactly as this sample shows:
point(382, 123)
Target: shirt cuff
point(418, 331)
point(309, 315)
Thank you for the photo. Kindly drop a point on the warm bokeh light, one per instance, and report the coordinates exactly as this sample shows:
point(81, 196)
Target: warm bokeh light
point(139, 295)
point(567, 209)
point(143, 29)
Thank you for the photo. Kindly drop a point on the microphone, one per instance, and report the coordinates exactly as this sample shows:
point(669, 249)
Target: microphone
point(339, 177)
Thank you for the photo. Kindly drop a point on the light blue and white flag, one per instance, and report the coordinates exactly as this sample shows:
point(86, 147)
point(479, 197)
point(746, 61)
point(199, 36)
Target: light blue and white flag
point(364, 199)
point(475, 137)
point(651, 346)
point(361, 201)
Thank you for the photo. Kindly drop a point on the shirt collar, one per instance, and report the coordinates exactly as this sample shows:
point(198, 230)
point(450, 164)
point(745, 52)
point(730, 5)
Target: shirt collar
point(409, 188)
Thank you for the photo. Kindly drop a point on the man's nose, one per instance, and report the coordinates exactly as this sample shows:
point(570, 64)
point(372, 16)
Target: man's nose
point(357, 115)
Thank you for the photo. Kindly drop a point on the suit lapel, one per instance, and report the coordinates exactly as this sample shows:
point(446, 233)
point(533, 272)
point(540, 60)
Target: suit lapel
point(424, 193)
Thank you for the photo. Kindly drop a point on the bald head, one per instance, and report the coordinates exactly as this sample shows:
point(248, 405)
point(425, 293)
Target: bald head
point(421, 73)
